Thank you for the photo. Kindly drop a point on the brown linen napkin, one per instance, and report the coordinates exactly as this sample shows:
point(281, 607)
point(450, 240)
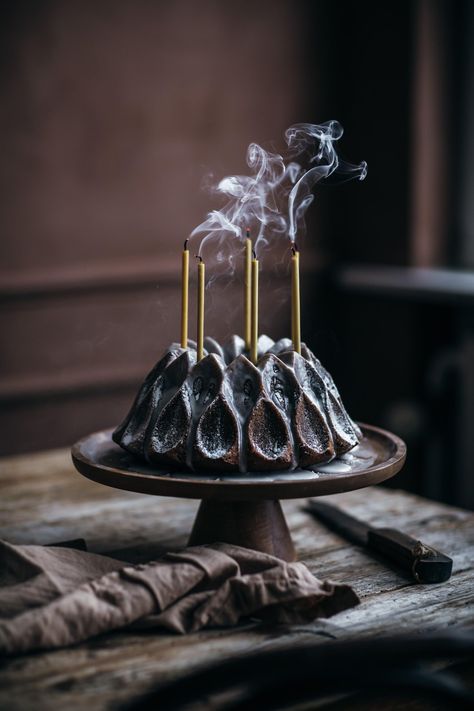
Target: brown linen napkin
point(54, 597)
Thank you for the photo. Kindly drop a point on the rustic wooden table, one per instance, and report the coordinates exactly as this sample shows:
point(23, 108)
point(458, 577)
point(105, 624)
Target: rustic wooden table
point(43, 500)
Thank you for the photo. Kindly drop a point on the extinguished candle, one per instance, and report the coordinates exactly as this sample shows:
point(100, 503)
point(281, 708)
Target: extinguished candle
point(184, 295)
point(295, 299)
point(254, 334)
point(200, 311)
point(248, 292)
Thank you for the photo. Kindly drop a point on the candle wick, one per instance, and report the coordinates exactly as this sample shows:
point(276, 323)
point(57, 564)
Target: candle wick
point(186, 244)
point(198, 256)
point(254, 254)
point(294, 248)
point(247, 232)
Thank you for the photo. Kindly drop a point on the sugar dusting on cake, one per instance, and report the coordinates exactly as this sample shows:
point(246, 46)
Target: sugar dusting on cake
point(226, 414)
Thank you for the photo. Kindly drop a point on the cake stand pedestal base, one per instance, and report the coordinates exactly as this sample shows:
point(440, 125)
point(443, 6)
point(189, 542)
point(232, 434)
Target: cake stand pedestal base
point(243, 509)
point(259, 525)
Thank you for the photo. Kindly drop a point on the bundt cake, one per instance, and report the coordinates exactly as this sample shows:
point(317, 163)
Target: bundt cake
point(224, 413)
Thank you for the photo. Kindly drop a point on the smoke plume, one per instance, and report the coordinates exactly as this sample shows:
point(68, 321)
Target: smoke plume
point(273, 199)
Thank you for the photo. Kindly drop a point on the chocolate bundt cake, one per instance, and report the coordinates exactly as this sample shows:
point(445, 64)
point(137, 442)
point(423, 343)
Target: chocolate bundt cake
point(224, 413)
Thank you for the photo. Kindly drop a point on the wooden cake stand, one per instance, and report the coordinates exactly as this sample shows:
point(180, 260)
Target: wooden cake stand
point(243, 509)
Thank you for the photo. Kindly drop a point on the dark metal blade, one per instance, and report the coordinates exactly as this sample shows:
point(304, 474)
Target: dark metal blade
point(349, 527)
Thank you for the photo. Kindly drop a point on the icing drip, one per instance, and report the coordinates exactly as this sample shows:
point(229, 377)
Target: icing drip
point(224, 413)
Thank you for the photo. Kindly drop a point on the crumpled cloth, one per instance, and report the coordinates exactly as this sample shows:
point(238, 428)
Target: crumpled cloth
point(53, 597)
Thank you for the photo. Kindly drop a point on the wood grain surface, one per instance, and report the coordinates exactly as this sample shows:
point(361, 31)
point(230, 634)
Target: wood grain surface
point(43, 500)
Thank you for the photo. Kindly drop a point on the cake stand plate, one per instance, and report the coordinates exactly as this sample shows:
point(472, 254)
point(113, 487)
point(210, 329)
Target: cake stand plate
point(243, 509)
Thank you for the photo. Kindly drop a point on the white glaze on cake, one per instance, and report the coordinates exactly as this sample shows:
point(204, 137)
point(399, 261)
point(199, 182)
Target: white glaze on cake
point(225, 413)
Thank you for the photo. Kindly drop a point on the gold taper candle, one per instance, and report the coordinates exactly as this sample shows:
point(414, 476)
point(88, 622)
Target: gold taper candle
point(295, 299)
point(184, 295)
point(254, 338)
point(248, 291)
point(200, 311)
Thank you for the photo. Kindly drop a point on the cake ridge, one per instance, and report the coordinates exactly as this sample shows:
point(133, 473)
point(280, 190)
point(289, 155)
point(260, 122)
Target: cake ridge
point(226, 413)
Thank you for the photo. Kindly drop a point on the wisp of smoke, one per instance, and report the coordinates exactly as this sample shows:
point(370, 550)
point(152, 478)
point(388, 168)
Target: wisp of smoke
point(273, 199)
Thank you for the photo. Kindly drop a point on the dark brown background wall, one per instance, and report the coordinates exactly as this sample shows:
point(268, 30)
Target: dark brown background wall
point(111, 115)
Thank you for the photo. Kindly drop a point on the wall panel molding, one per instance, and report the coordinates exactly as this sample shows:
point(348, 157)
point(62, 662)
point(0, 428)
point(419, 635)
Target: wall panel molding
point(79, 382)
point(130, 274)
point(94, 276)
